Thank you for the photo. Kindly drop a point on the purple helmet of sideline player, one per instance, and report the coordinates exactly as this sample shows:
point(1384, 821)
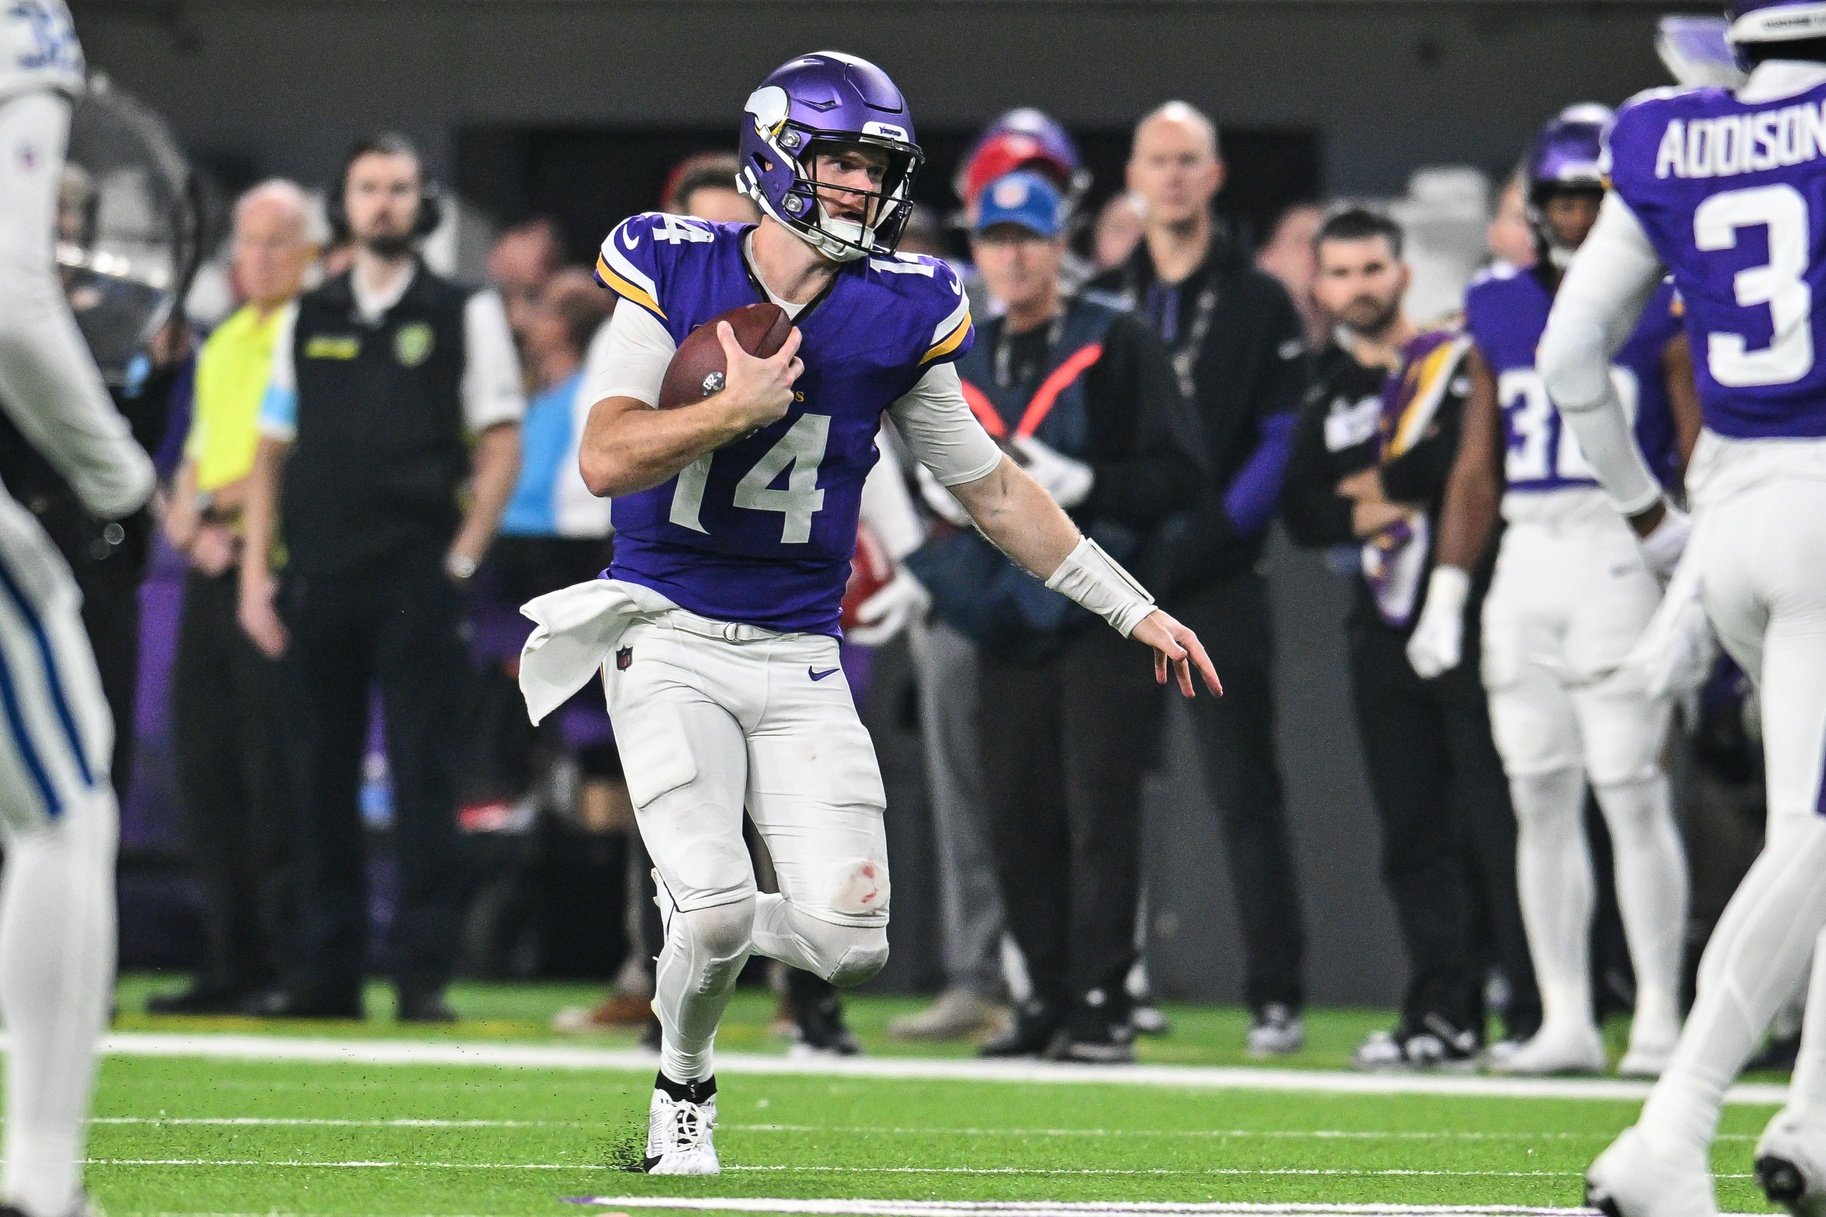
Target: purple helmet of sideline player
point(1566, 155)
point(1776, 20)
point(821, 99)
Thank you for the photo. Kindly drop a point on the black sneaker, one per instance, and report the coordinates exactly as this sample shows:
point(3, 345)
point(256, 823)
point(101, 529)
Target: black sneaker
point(1038, 1031)
point(1100, 1031)
point(1275, 1029)
point(200, 998)
point(819, 1030)
point(1437, 1047)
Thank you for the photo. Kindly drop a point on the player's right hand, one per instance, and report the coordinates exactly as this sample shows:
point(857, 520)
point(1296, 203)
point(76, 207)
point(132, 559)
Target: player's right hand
point(1663, 544)
point(758, 391)
point(258, 616)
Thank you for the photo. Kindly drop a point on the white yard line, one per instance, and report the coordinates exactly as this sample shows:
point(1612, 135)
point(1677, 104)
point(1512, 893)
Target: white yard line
point(1216, 1134)
point(1042, 1208)
point(1209, 1172)
point(1199, 1077)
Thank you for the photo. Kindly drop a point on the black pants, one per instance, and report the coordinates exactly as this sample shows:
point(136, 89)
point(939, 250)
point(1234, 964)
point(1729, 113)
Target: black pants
point(229, 723)
point(1064, 745)
point(397, 626)
point(1235, 735)
point(1448, 832)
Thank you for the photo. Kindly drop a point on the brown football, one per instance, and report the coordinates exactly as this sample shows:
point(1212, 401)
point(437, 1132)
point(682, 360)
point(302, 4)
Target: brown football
point(696, 370)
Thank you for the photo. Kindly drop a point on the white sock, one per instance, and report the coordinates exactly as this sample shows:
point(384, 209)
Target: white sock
point(704, 953)
point(1807, 1089)
point(1652, 898)
point(1756, 960)
point(57, 944)
point(1554, 880)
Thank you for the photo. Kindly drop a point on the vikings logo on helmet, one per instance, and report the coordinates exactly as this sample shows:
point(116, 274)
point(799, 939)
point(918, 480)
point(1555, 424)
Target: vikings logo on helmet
point(821, 99)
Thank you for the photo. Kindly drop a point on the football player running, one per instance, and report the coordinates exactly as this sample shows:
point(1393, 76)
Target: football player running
point(57, 810)
point(1569, 599)
point(735, 522)
point(1726, 189)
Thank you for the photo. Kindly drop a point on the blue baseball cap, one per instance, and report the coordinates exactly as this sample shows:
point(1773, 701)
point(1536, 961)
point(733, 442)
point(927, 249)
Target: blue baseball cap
point(1022, 198)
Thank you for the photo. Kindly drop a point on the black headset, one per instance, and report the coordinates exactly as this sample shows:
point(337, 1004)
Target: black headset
point(386, 143)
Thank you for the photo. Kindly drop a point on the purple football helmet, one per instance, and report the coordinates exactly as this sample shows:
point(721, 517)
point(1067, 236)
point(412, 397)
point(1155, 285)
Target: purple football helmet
point(1697, 51)
point(1566, 155)
point(1775, 20)
point(828, 98)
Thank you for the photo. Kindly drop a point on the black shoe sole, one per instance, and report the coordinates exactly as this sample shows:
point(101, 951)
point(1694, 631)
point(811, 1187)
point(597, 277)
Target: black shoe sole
point(1781, 1181)
point(1604, 1204)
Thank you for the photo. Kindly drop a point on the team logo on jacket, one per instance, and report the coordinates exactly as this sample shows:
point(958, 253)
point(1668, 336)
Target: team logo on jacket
point(623, 658)
point(412, 345)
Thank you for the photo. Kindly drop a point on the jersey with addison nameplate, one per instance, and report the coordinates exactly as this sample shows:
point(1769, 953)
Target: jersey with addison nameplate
point(1732, 193)
point(762, 530)
point(1505, 313)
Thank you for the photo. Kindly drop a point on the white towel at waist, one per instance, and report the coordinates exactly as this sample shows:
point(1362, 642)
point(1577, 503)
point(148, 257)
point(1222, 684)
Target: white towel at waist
point(575, 630)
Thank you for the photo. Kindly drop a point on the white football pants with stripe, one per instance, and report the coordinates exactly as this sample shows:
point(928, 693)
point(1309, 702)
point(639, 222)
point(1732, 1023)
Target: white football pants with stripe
point(711, 718)
point(1760, 511)
point(60, 823)
point(1570, 598)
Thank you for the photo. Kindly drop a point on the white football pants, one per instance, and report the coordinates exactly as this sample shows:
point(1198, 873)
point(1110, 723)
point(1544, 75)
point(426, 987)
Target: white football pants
point(712, 717)
point(1570, 598)
point(1761, 516)
point(58, 816)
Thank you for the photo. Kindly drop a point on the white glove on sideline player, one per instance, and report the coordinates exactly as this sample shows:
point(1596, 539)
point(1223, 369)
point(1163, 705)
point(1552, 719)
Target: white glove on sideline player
point(1065, 478)
point(1663, 547)
point(1437, 644)
point(901, 601)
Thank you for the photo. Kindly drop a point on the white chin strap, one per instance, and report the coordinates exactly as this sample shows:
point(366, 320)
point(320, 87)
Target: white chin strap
point(831, 234)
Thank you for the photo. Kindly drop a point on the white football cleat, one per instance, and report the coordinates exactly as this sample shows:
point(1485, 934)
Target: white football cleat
point(1554, 1050)
point(1791, 1163)
point(1632, 1179)
point(680, 1136)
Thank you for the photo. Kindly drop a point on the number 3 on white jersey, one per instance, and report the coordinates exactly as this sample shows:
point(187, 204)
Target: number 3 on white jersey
point(1780, 284)
point(1533, 454)
point(797, 454)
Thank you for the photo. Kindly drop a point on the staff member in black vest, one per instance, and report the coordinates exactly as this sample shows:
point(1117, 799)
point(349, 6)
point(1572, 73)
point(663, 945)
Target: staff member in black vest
point(1240, 351)
point(1082, 394)
point(392, 388)
point(1369, 469)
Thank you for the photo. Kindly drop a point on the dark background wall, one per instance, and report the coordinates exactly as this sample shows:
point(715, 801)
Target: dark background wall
point(521, 101)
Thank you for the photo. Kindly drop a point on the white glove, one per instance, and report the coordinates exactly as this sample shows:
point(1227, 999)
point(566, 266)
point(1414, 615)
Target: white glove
point(1438, 642)
point(1662, 548)
point(1676, 650)
point(1065, 478)
point(943, 503)
point(901, 600)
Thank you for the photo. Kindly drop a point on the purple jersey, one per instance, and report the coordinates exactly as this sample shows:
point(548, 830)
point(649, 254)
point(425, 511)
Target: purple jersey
point(1505, 312)
point(762, 530)
point(1733, 196)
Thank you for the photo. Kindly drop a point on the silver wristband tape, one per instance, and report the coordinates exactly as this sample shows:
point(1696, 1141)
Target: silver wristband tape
point(1097, 581)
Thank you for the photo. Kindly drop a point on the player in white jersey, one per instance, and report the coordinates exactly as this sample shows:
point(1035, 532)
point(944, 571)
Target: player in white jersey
point(1726, 188)
point(57, 809)
point(1569, 598)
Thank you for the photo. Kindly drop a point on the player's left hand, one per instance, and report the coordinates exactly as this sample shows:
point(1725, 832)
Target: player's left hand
point(901, 600)
point(1177, 647)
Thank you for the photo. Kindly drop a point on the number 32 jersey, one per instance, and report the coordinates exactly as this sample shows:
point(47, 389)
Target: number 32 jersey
point(762, 530)
point(1733, 195)
point(1505, 312)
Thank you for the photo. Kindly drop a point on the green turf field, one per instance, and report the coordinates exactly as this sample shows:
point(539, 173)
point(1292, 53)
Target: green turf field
point(182, 1135)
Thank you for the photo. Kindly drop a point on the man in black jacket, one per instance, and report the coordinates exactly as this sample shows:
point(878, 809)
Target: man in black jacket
point(1371, 457)
point(1239, 350)
point(1083, 395)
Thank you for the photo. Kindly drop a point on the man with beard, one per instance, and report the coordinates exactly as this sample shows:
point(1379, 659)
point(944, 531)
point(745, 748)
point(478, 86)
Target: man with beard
point(391, 388)
point(1372, 453)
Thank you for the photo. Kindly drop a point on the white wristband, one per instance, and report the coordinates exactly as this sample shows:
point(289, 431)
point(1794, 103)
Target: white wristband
point(1094, 579)
point(1447, 590)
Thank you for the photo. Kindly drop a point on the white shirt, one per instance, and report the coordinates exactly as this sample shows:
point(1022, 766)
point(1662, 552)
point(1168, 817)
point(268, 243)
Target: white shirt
point(491, 388)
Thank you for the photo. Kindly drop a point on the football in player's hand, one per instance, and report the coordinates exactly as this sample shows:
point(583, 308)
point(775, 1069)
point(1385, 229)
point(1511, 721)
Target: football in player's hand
point(696, 370)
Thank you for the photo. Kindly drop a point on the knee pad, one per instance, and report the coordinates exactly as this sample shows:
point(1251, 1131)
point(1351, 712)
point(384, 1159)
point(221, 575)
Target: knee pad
point(719, 939)
point(863, 952)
